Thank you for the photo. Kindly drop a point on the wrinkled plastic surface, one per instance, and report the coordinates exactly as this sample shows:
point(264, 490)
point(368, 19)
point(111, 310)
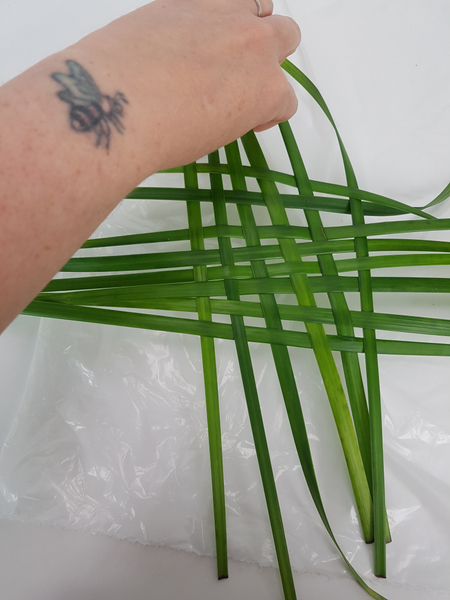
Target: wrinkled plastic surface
point(111, 437)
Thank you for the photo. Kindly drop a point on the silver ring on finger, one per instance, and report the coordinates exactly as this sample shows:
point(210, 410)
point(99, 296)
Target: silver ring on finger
point(258, 4)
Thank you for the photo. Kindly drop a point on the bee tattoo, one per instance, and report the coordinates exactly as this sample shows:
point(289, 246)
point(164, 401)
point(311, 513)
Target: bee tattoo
point(90, 110)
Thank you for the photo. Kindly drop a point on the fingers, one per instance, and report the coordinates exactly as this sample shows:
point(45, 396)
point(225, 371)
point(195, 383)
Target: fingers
point(286, 30)
point(262, 8)
point(286, 108)
point(284, 37)
point(287, 33)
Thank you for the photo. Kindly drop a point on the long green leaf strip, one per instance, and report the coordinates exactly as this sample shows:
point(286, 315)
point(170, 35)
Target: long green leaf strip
point(280, 353)
point(370, 344)
point(211, 385)
point(351, 365)
point(350, 362)
point(298, 232)
point(341, 312)
point(370, 350)
point(206, 282)
point(261, 335)
point(373, 387)
point(321, 348)
point(249, 383)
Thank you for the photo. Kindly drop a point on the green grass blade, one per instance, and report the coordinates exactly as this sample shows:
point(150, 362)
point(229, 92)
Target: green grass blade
point(298, 232)
point(252, 399)
point(136, 298)
point(341, 312)
point(440, 197)
point(351, 182)
point(167, 260)
point(374, 394)
point(120, 318)
point(211, 386)
point(318, 186)
point(319, 343)
point(281, 356)
point(386, 228)
point(373, 383)
point(333, 205)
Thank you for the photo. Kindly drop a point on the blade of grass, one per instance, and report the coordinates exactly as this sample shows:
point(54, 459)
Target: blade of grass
point(440, 197)
point(374, 395)
point(334, 205)
point(296, 339)
point(117, 293)
point(249, 382)
point(189, 258)
point(308, 85)
point(269, 311)
point(296, 232)
point(370, 344)
point(319, 343)
point(210, 379)
point(132, 298)
point(287, 179)
point(342, 316)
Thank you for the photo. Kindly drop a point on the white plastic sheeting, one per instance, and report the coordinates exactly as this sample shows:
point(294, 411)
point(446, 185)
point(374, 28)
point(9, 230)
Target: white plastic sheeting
point(110, 432)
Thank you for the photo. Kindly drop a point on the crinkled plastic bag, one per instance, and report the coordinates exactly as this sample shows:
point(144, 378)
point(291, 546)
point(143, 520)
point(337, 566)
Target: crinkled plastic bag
point(111, 437)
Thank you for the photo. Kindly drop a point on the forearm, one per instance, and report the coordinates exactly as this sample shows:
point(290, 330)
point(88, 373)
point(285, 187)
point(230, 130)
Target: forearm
point(56, 185)
point(163, 97)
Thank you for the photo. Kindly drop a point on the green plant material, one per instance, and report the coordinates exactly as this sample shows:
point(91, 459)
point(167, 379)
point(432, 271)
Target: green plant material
point(296, 339)
point(251, 394)
point(440, 197)
point(248, 377)
point(392, 207)
point(344, 324)
point(134, 298)
point(207, 282)
point(303, 233)
point(341, 312)
point(377, 206)
point(280, 353)
point(211, 386)
point(161, 260)
point(370, 343)
point(320, 346)
point(408, 285)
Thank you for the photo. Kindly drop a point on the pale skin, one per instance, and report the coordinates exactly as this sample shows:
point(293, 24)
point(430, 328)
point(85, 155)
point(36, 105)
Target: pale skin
point(195, 75)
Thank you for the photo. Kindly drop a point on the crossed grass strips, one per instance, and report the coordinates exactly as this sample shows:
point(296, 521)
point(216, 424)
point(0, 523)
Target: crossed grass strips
point(207, 282)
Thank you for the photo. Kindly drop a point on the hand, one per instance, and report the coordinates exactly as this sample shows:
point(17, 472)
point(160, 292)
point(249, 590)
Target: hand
point(206, 71)
point(165, 85)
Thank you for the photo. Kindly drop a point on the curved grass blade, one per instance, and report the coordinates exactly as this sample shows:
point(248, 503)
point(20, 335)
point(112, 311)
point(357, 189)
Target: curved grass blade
point(440, 197)
point(319, 343)
point(342, 316)
point(280, 353)
point(296, 339)
point(333, 205)
point(370, 344)
point(134, 298)
point(351, 180)
point(287, 179)
point(295, 232)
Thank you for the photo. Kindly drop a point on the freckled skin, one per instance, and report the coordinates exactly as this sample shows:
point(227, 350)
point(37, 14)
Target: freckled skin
point(59, 184)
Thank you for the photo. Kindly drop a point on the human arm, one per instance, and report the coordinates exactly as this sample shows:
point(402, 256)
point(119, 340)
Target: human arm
point(195, 75)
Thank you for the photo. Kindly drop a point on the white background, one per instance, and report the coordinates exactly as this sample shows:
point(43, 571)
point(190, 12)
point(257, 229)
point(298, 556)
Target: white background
point(383, 68)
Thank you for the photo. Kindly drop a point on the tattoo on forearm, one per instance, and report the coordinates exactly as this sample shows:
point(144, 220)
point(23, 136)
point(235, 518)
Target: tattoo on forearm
point(90, 110)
